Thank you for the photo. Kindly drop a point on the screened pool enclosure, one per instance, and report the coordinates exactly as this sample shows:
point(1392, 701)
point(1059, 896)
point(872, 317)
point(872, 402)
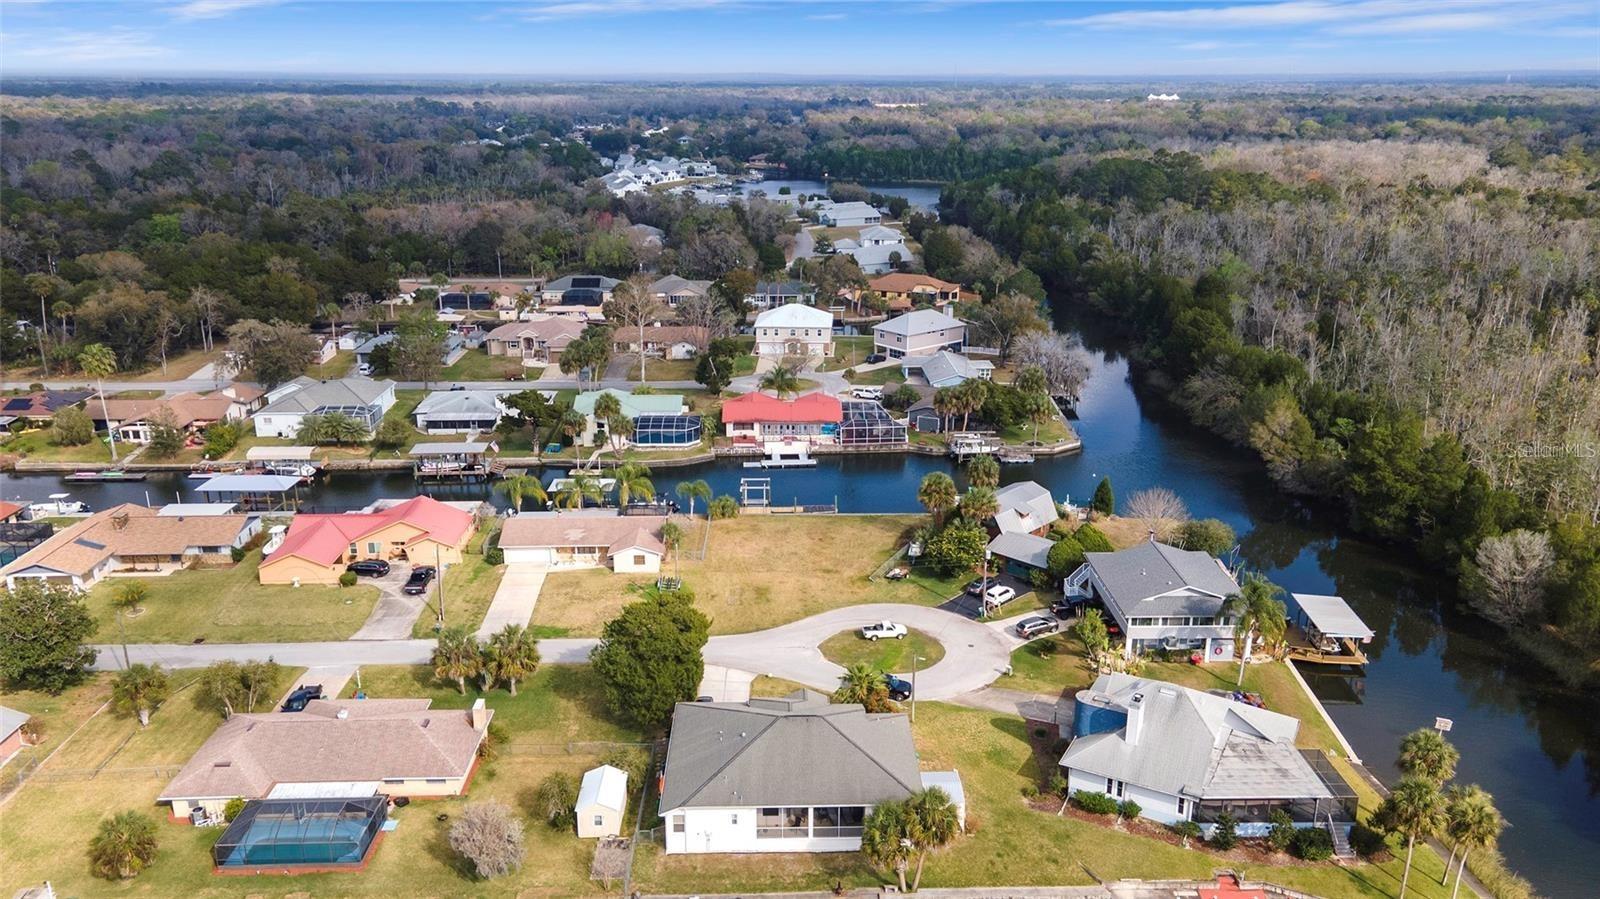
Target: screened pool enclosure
point(867, 424)
point(321, 832)
point(666, 430)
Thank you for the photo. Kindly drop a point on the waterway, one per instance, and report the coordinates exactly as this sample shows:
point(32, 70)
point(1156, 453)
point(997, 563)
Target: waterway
point(1532, 744)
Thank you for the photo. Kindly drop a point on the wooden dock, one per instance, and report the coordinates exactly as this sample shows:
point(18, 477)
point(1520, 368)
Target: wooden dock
point(1301, 649)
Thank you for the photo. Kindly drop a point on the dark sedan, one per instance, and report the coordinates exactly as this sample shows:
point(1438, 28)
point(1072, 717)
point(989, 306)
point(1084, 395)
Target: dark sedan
point(421, 576)
point(369, 567)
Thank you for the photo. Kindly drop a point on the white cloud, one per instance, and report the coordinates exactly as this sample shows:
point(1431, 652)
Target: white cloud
point(1459, 21)
point(828, 16)
point(215, 9)
point(579, 9)
point(1345, 16)
point(90, 46)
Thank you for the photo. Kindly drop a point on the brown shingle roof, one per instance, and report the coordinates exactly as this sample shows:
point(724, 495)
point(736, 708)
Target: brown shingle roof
point(127, 530)
point(378, 739)
point(187, 408)
point(615, 532)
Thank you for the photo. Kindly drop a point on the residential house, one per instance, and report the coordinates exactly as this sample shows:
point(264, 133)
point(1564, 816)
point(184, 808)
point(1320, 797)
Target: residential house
point(1161, 597)
point(460, 411)
point(662, 341)
point(39, 407)
point(534, 342)
point(905, 290)
point(794, 330)
point(588, 291)
point(12, 739)
point(343, 749)
point(798, 774)
point(945, 369)
point(672, 290)
point(1023, 553)
point(878, 249)
point(772, 294)
point(288, 404)
point(757, 417)
point(658, 415)
point(132, 419)
point(247, 398)
point(847, 215)
point(585, 538)
point(1025, 507)
point(920, 332)
point(455, 346)
point(130, 538)
point(1187, 755)
point(602, 798)
point(317, 548)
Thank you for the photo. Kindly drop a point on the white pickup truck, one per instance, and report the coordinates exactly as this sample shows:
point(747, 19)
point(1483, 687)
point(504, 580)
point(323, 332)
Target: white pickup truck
point(884, 629)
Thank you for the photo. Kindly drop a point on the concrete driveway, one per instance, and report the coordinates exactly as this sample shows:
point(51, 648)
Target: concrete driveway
point(395, 613)
point(514, 599)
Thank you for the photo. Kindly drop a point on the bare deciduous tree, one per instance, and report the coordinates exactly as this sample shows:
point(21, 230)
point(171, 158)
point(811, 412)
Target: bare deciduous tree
point(1063, 361)
point(1507, 577)
point(1159, 510)
point(490, 837)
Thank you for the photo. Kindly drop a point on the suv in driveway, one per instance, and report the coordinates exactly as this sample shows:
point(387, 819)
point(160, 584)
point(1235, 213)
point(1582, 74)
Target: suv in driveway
point(421, 576)
point(1035, 625)
point(369, 567)
point(999, 595)
point(899, 690)
point(300, 697)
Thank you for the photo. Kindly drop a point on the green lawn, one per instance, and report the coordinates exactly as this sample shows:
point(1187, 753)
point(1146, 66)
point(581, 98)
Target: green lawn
point(44, 829)
point(337, 367)
point(478, 365)
point(230, 606)
point(665, 369)
point(889, 377)
point(808, 564)
point(36, 445)
point(848, 350)
point(850, 648)
point(468, 589)
point(138, 394)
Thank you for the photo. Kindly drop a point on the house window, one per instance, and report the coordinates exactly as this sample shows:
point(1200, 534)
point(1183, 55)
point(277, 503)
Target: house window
point(1111, 786)
point(599, 820)
point(838, 821)
point(677, 824)
point(783, 823)
point(1183, 805)
point(354, 551)
point(1119, 789)
point(638, 560)
point(436, 780)
point(374, 546)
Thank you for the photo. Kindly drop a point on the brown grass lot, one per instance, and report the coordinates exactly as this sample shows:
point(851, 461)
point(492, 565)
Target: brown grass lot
point(760, 571)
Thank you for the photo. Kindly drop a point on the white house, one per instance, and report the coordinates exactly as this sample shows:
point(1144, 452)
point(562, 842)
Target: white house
point(877, 250)
point(460, 411)
point(288, 404)
point(1162, 597)
point(794, 330)
point(659, 419)
point(602, 798)
point(920, 332)
point(772, 294)
point(585, 538)
point(1186, 755)
point(797, 774)
point(848, 215)
point(1025, 507)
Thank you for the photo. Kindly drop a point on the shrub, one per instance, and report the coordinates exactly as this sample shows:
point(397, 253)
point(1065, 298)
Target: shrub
point(1314, 844)
point(1368, 843)
point(1057, 784)
point(490, 837)
point(554, 799)
point(124, 846)
point(1094, 803)
point(1281, 834)
point(1226, 836)
point(1030, 791)
point(221, 436)
point(493, 739)
point(494, 555)
point(392, 433)
point(1092, 539)
point(238, 553)
point(347, 579)
point(1186, 831)
point(724, 507)
point(1041, 580)
point(1128, 808)
point(71, 426)
point(232, 809)
point(901, 398)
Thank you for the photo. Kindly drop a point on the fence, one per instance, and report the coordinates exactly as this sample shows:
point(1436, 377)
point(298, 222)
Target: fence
point(514, 748)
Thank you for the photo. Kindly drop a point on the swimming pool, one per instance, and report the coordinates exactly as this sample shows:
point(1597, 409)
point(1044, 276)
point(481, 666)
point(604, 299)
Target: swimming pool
point(283, 832)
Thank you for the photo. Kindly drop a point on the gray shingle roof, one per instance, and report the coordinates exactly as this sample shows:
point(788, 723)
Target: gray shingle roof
point(1196, 744)
point(461, 402)
point(1023, 507)
point(918, 321)
point(800, 750)
point(311, 394)
point(1024, 548)
point(1154, 579)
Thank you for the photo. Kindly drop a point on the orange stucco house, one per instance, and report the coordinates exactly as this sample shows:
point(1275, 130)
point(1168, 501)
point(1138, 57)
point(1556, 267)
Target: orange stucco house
point(316, 549)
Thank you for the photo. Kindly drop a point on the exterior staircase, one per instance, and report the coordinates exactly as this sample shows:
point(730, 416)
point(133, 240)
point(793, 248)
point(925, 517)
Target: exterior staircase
point(1341, 840)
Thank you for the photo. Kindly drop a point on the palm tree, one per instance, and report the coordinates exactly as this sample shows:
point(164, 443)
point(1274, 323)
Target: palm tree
point(983, 471)
point(139, 689)
point(577, 489)
point(937, 494)
point(1414, 810)
point(970, 397)
point(1471, 822)
point(99, 362)
point(572, 423)
point(946, 402)
point(607, 408)
point(332, 311)
point(1256, 611)
point(979, 505)
point(633, 480)
point(130, 595)
point(883, 838)
point(931, 821)
point(511, 655)
point(125, 844)
point(692, 490)
point(865, 685)
point(1425, 754)
point(672, 538)
point(781, 380)
point(522, 486)
point(456, 657)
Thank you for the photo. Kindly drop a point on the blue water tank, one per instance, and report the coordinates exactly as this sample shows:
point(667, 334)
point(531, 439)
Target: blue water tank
point(1093, 716)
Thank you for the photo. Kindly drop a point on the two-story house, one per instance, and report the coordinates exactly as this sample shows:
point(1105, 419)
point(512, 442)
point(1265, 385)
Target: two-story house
point(1162, 597)
point(920, 332)
point(794, 330)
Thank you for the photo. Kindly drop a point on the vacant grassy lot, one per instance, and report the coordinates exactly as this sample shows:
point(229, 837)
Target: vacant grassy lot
point(477, 365)
point(850, 648)
point(468, 590)
point(888, 377)
point(45, 828)
point(246, 441)
point(761, 571)
point(230, 606)
point(36, 445)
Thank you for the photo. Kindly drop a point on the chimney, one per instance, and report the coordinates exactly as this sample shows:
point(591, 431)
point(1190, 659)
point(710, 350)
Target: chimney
point(480, 715)
point(1135, 728)
point(342, 714)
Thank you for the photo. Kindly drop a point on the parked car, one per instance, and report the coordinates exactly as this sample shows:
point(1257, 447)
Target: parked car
point(419, 580)
point(999, 595)
point(300, 697)
point(976, 586)
point(369, 567)
point(1034, 625)
point(899, 690)
point(1065, 608)
point(874, 358)
point(867, 393)
point(884, 629)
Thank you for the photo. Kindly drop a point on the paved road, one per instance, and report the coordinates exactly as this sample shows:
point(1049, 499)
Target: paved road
point(975, 653)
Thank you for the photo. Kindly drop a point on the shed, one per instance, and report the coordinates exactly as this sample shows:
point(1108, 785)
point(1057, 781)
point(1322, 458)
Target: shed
point(950, 783)
point(602, 799)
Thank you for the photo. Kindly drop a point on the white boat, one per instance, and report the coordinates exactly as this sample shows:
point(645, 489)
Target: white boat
point(779, 454)
point(60, 505)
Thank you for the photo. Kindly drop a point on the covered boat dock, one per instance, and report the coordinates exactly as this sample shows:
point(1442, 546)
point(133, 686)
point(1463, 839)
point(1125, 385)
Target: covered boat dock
point(254, 492)
point(1324, 630)
point(451, 461)
point(299, 461)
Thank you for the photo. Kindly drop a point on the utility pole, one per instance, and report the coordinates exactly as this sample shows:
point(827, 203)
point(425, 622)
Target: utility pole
point(438, 568)
point(914, 660)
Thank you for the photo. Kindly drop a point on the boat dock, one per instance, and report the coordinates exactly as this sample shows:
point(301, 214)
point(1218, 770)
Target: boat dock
point(1324, 630)
point(966, 444)
point(455, 461)
point(784, 454)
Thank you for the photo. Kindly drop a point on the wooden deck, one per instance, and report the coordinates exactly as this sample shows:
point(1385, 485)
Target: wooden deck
point(1301, 649)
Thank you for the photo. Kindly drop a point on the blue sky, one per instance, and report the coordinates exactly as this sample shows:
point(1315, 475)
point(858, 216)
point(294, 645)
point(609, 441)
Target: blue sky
point(574, 39)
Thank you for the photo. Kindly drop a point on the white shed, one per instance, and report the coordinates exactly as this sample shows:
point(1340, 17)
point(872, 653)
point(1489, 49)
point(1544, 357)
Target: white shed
point(602, 798)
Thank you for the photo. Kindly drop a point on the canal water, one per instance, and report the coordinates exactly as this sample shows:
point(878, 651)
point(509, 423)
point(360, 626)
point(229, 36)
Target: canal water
point(1532, 744)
